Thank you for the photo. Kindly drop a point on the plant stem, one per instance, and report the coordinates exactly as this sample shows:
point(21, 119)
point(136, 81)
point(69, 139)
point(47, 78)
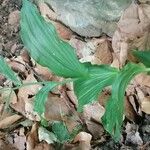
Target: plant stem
point(33, 83)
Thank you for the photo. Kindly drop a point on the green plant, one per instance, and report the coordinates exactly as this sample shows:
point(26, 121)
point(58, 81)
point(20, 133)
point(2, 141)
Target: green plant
point(44, 45)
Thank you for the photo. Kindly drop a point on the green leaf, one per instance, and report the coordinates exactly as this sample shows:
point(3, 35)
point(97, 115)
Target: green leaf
point(61, 131)
point(113, 117)
point(41, 97)
point(6, 71)
point(41, 40)
point(88, 89)
point(143, 56)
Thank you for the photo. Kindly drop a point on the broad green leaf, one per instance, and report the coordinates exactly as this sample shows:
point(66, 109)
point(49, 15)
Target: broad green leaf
point(41, 97)
point(61, 131)
point(6, 71)
point(88, 89)
point(113, 117)
point(143, 56)
point(41, 40)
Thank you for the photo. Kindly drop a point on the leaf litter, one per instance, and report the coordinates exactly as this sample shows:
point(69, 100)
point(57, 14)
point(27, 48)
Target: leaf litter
point(132, 33)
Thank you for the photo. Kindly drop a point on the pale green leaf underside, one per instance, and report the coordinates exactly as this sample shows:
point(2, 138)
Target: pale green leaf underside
point(41, 97)
point(44, 45)
point(88, 89)
point(61, 131)
point(113, 117)
point(6, 71)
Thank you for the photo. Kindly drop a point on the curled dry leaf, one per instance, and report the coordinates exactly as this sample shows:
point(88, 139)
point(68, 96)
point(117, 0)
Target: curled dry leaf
point(72, 97)
point(129, 111)
point(84, 140)
point(17, 66)
point(5, 123)
point(133, 31)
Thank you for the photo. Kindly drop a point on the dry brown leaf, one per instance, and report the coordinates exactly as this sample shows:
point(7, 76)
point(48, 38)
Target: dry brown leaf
point(79, 46)
point(144, 1)
point(19, 140)
point(72, 97)
point(144, 101)
point(145, 105)
point(95, 129)
point(84, 140)
point(43, 72)
point(103, 53)
point(56, 108)
point(96, 51)
point(46, 11)
point(143, 80)
point(129, 111)
point(43, 146)
point(25, 55)
point(115, 62)
point(5, 123)
point(13, 18)
point(63, 31)
point(32, 137)
point(2, 80)
point(29, 111)
point(13, 48)
point(93, 111)
point(51, 16)
point(17, 66)
point(6, 145)
point(134, 105)
point(72, 122)
point(5, 98)
point(133, 31)
point(103, 98)
point(24, 104)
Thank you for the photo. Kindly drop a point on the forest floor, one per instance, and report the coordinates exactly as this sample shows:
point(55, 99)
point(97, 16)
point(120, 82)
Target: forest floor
point(20, 128)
